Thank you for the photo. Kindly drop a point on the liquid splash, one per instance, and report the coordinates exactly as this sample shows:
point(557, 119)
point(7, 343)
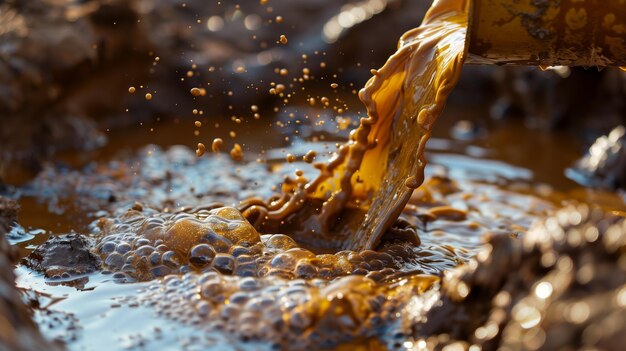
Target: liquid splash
point(340, 209)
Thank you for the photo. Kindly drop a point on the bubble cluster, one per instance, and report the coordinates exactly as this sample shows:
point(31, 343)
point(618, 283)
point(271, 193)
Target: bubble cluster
point(145, 244)
point(299, 313)
point(211, 267)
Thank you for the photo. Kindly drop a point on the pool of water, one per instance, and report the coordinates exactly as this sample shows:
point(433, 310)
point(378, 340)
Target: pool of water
point(497, 182)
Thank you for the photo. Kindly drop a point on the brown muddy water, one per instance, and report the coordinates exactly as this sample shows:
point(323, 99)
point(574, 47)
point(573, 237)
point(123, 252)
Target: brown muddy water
point(162, 259)
point(499, 183)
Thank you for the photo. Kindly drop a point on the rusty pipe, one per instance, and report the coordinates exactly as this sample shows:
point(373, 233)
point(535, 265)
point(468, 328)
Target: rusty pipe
point(548, 32)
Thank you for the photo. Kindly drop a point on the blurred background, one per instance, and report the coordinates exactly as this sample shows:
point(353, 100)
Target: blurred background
point(66, 68)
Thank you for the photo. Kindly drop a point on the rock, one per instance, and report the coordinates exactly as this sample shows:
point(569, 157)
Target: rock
point(64, 256)
point(604, 165)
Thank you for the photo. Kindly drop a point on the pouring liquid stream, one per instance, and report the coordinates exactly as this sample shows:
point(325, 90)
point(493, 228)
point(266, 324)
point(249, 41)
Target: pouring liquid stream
point(362, 190)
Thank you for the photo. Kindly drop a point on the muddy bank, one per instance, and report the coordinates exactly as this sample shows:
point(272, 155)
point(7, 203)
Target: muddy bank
point(18, 331)
point(560, 285)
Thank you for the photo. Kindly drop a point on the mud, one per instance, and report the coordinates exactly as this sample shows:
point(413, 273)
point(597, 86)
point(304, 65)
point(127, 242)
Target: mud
point(206, 269)
point(221, 275)
point(299, 313)
point(141, 242)
point(18, 331)
point(279, 300)
point(166, 179)
point(63, 256)
point(560, 285)
point(169, 258)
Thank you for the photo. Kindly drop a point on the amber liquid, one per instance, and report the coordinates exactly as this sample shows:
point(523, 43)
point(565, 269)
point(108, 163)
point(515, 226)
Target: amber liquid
point(385, 154)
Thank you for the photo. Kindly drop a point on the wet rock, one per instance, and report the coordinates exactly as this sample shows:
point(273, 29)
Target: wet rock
point(64, 256)
point(18, 331)
point(604, 165)
point(561, 286)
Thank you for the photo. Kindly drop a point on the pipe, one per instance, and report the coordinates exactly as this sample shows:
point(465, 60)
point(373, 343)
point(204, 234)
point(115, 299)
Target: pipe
point(548, 32)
